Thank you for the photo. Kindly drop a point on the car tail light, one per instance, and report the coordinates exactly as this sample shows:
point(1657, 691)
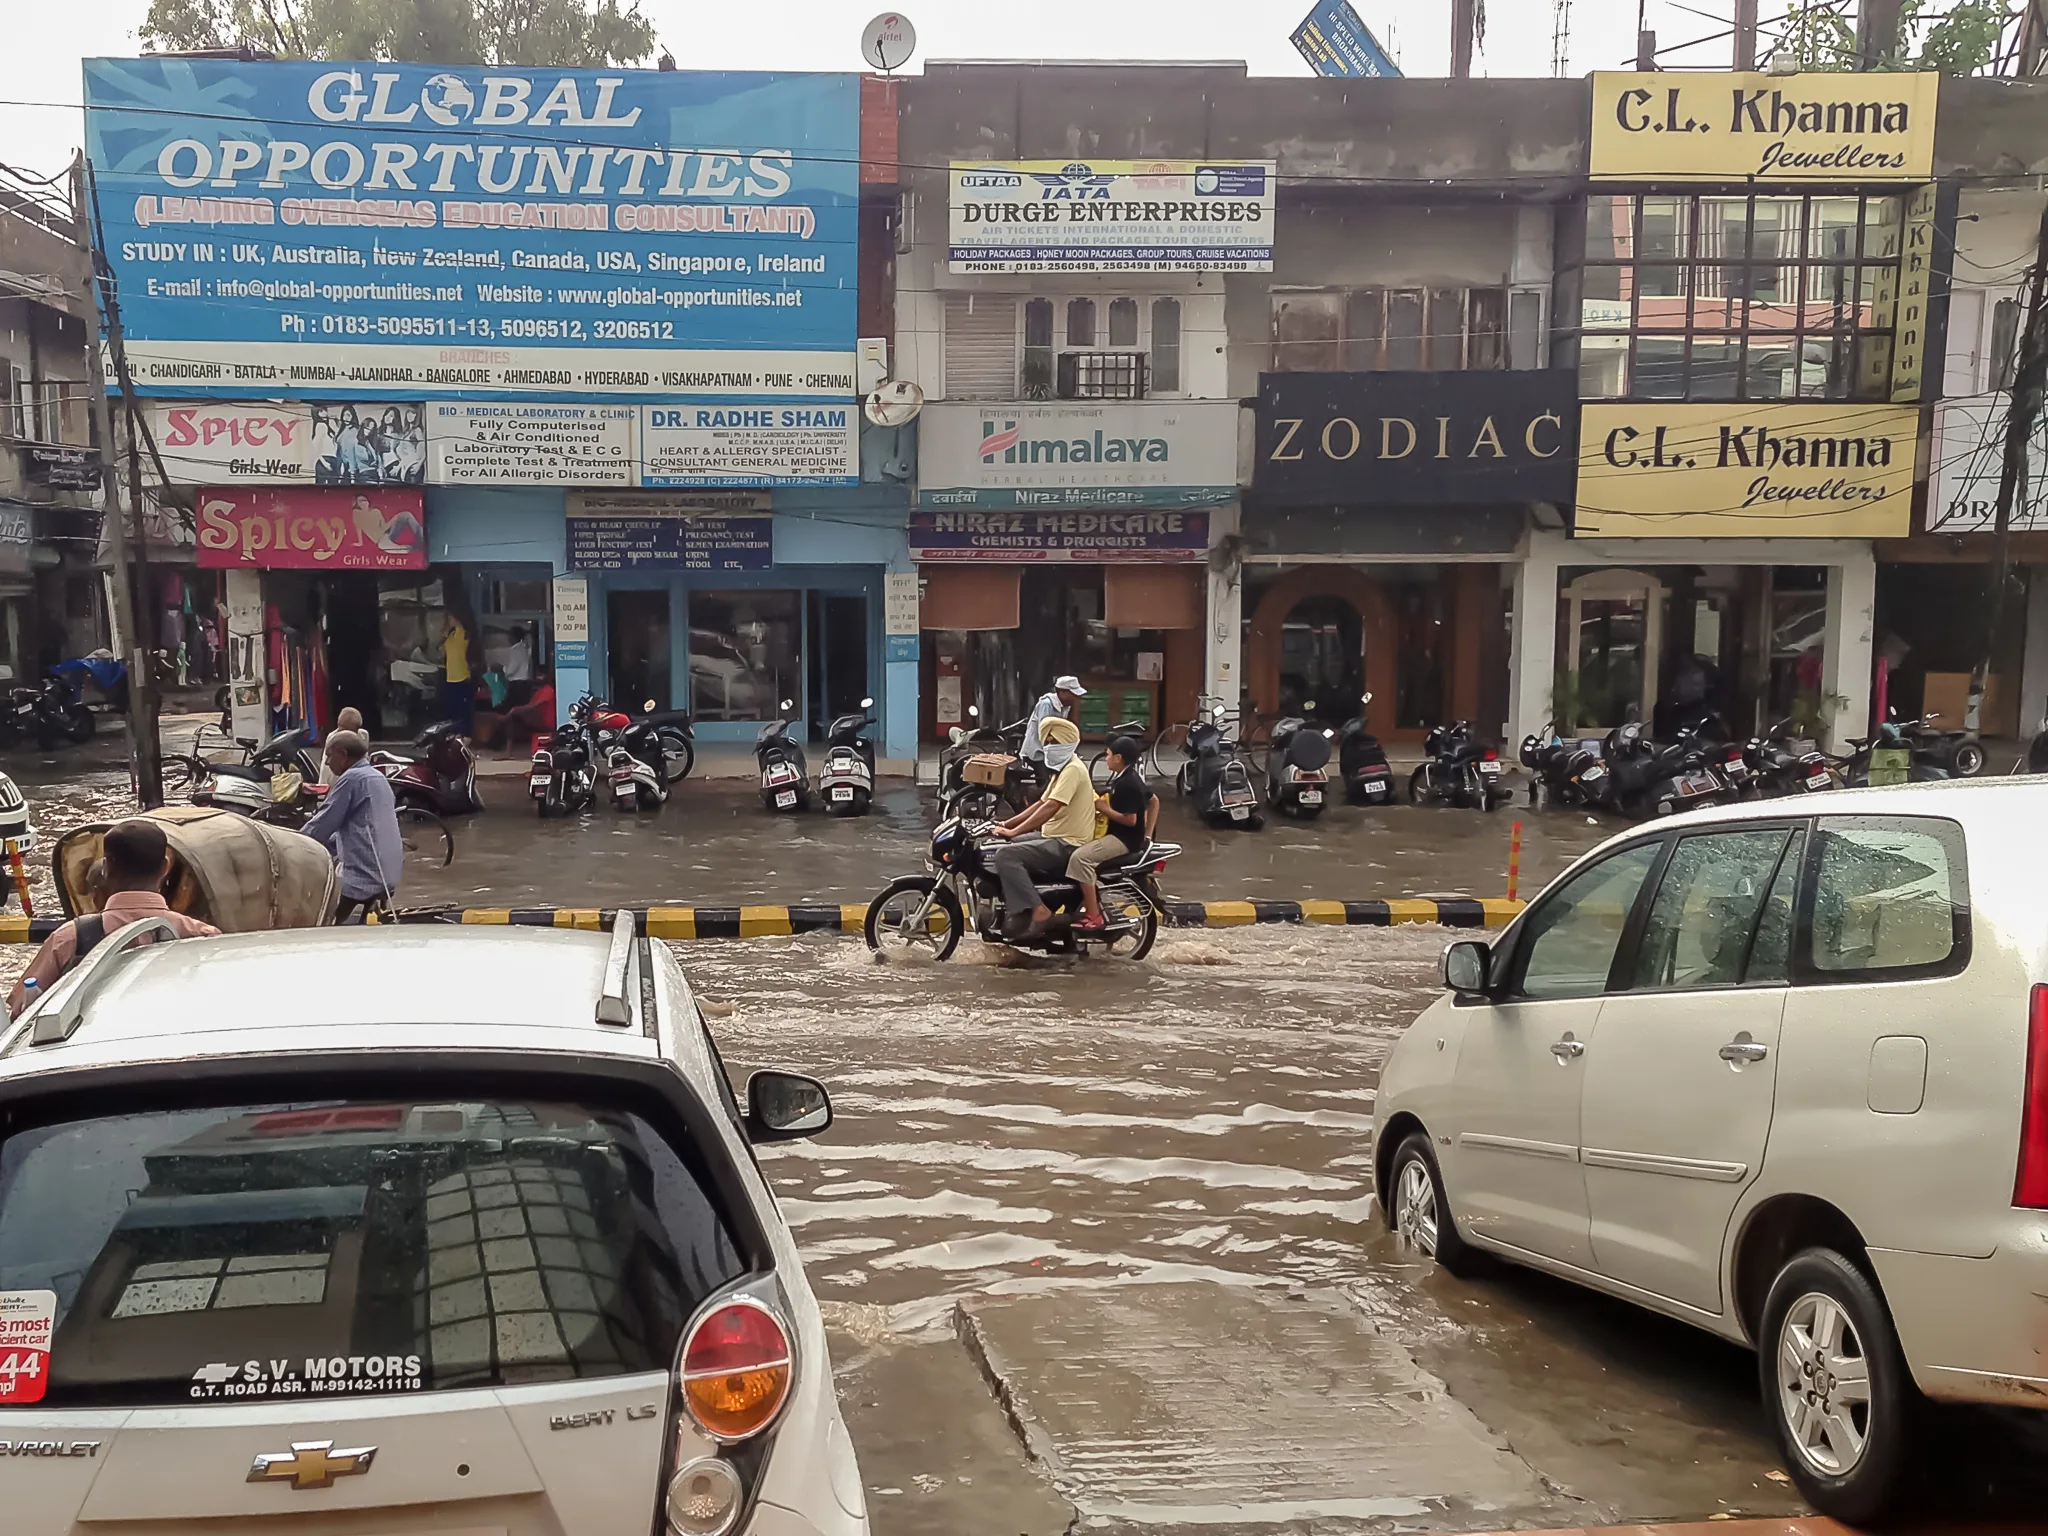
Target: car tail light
point(2030, 1188)
point(704, 1498)
point(736, 1370)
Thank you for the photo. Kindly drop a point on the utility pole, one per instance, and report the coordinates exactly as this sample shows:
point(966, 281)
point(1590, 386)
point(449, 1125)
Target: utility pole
point(2029, 376)
point(142, 701)
point(1877, 32)
point(1745, 34)
point(1561, 39)
point(1464, 22)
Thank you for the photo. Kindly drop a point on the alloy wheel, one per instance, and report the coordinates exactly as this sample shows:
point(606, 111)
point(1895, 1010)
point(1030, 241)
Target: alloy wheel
point(1824, 1384)
point(1415, 1216)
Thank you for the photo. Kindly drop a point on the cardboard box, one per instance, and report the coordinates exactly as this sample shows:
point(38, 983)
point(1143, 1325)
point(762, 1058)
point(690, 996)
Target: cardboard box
point(990, 768)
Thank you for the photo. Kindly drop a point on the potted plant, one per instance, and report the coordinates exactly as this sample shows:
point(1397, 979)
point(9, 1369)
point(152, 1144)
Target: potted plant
point(1567, 708)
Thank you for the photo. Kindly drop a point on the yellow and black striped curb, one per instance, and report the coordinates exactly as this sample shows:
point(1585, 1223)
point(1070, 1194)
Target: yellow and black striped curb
point(770, 921)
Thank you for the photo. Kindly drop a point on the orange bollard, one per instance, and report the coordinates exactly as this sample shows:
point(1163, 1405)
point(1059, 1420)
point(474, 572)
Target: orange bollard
point(28, 907)
point(1514, 861)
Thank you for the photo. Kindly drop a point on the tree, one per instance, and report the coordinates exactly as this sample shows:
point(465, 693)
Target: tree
point(567, 34)
point(1962, 39)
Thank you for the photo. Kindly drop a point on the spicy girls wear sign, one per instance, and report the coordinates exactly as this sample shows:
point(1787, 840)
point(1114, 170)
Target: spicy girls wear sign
point(325, 442)
point(292, 529)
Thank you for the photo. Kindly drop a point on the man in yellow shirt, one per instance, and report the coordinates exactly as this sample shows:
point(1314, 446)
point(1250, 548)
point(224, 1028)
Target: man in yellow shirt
point(458, 692)
point(1066, 816)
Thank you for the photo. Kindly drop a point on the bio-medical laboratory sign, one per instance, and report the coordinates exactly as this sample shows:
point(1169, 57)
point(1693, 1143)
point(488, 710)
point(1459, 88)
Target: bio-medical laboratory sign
point(366, 230)
point(558, 443)
point(1112, 216)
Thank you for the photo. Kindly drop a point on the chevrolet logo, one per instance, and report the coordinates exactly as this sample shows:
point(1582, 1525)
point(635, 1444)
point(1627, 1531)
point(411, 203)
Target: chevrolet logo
point(312, 1464)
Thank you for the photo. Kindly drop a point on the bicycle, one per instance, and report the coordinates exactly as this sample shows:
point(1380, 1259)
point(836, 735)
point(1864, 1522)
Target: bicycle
point(182, 770)
point(1098, 765)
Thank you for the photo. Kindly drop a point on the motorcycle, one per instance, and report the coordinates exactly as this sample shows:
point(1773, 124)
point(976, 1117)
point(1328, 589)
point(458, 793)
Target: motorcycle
point(1562, 772)
point(251, 787)
point(1778, 770)
point(1297, 758)
point(930, 912)
point(562, 779)
point(1458, 769)
point(1215, 775)
point(1958, 753)
point(51, 712)
point(847, 781)
point(439, 773)
point(785, 776)
point(1362, 762)
point(636, 760)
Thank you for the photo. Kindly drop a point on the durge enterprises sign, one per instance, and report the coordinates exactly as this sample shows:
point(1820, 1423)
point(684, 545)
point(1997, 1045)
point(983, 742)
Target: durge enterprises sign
point(1124, 453)
point(1773, 128)
point(1969, 455)
point(1746, 471)
point(1112, 216)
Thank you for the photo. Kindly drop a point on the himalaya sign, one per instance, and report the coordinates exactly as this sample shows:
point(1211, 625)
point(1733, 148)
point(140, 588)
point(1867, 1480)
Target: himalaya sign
point(1111, 453)
point(1007, 441)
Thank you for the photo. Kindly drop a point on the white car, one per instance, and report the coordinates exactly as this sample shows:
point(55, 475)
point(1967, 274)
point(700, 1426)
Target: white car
point(419, 1229)
point(1779, 1070)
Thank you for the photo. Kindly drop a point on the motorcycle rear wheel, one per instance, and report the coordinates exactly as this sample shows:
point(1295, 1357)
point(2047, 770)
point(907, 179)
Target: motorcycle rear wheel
point(80, 725)
point(679, 755)
point(1968, 759)
point(1419, 792)
point(425, 836)
point(884, 925)
point(1122, 907)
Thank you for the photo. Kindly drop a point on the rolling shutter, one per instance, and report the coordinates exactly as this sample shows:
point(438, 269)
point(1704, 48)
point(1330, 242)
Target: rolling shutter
point(981, 346)
point(968, 597)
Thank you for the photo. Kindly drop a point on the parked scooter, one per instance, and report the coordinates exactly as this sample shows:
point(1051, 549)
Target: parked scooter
point(1561, 772)
point(1458, 769)
point(1215, 775)
point(438, 774)
point(1778, 770)
point(248, 787)
point(1296, 760)
point(51, 712)
point(1924, 764)
point(785, 776)
point(1362, 762)
point(636, 762)
point(563, 777)
point(847, 781)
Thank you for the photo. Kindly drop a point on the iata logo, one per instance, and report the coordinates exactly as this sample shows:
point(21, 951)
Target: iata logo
point(449, 100)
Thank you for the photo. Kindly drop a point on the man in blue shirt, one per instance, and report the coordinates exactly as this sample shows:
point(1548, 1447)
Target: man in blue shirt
point(359, 824)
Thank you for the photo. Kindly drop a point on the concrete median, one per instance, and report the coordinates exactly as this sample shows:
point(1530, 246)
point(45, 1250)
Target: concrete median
point(752, 922)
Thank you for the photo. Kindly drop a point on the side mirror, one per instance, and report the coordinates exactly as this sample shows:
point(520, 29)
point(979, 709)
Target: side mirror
point(1367, 699)
point(785, 1106)
point(867, 703)
point(1466, 964)
point(1308, 706)
point(789, 703)
point(648, 706)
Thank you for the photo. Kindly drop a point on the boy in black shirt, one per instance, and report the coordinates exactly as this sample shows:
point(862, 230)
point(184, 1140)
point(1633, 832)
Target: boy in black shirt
point(1132, 810)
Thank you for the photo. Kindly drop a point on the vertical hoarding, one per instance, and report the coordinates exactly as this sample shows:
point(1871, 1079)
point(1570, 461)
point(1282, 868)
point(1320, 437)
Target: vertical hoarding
point(377, 230)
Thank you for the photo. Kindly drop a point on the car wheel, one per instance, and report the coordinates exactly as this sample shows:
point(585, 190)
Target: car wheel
point(1836, 1387)
point(1417, 1212)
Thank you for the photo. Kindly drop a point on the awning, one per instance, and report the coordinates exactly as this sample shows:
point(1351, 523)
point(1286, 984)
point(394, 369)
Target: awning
point(968, 597)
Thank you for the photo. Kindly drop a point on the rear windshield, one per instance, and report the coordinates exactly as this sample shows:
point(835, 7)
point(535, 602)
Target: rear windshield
point(272, 1251)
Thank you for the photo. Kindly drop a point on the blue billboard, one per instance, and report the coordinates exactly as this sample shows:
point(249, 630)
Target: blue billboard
point(397, 231)
point(1336, 42)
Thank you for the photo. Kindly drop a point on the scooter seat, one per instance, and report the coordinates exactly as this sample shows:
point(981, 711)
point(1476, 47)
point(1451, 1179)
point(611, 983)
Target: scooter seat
point(240, 771)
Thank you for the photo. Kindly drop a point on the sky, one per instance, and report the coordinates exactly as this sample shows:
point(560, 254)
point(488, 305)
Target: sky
point(40, 123)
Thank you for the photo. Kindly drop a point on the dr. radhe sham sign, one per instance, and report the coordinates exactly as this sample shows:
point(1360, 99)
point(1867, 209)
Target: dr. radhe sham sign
point(1770, 128)
point(1412, 438)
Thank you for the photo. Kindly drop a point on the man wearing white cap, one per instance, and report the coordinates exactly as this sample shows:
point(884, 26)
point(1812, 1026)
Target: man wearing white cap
point(1057, 701)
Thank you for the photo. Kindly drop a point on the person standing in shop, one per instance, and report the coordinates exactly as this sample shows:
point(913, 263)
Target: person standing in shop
point(458, 689)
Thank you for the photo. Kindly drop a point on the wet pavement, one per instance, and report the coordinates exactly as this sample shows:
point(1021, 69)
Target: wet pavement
point(1096, 1242)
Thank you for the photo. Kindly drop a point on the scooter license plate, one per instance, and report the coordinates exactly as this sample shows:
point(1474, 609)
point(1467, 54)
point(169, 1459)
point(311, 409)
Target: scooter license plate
point(1820, 778)
point(785, 799)
point(1488, 766)
point(1374, 786)
point(1697, 784)
point(1240, 812)
point(842, 792)
point(539, 783)
point(1311, 797)
point(1593, 775)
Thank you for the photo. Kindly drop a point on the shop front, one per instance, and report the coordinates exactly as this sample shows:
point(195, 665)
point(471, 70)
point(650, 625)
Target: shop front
point(1386, 515)
point(1720, 561)
point(1068, 538)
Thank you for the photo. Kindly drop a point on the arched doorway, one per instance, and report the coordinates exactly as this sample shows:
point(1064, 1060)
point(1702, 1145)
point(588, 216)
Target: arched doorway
point(1322, 659)
point(1340, 628)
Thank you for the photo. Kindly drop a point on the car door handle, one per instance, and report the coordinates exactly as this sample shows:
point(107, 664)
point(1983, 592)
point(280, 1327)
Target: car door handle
point(1744, 1049)
point(1567, 1049)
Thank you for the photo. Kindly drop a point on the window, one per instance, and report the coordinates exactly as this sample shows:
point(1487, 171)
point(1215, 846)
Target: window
point(1123, 322)
point(356, 1247)
point(1705, 916)
point(2005, 334)
point(1747, 297)
point(1770, 956)
point(1890, 898)
point(1166, 346)
point(745, 653)
point(1571, 935)
point(1038, 364)
point(1381, 329)
point(1080, 322)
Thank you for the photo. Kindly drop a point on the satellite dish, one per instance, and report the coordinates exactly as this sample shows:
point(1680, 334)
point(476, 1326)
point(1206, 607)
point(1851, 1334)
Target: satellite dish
point(888, 41)
point(895, 404)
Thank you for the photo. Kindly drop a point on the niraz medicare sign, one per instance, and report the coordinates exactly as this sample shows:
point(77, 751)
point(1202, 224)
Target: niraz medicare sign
point(1112, 216)
point(396, 230)
point(1121, 453)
